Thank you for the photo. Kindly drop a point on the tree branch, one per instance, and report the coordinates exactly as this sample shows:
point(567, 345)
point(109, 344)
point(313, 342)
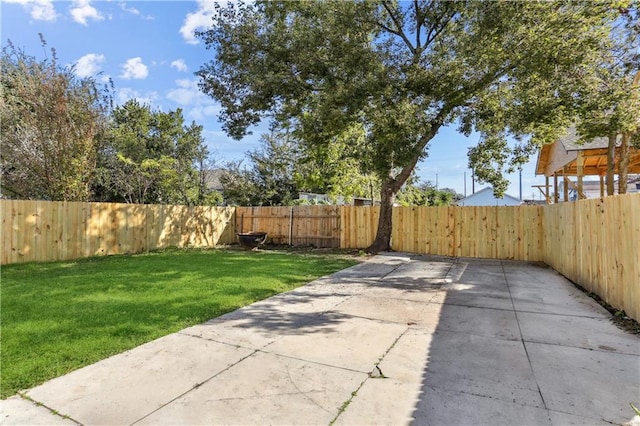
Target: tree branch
point(399, 31)
point(436, 124)
point(435, 31)
point(419, 22)
point(387, 29)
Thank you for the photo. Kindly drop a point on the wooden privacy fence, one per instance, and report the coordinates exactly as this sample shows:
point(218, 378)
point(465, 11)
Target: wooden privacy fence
point(45, 230)
point(487, 232)
point(317, 226)
point(595, 243)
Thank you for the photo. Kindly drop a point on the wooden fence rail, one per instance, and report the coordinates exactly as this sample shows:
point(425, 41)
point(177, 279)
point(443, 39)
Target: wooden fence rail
point(595, 243)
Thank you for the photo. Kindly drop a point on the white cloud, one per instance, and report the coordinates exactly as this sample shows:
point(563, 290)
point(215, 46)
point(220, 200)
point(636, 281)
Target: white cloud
point(40, 10)
point(82, 10)
point(89, 64)
point(134, 68)
point(133, 11)
point(197, 105)
point(179, 65)
point(200, 19)
point(187, 93)
point(201, 112)
point(126, 93)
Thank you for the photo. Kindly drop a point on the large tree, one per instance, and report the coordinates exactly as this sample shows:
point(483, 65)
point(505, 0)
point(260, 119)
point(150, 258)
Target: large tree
point(153, 157)
point(52, 124)
point(402, 71)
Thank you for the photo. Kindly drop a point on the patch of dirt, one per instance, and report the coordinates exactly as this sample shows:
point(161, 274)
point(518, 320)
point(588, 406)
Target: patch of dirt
point(352, 254)
point(619, 318)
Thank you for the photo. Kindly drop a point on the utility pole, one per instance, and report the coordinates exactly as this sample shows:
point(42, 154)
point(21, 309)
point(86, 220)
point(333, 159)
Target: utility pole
point(436, 181)
point(520, 169)
point(465, 184)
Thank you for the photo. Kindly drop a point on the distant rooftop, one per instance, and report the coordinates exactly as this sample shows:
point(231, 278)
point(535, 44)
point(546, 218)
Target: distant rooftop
point(570, 142)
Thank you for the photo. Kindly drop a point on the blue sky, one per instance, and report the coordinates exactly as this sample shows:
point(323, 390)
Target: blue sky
point(148, 49)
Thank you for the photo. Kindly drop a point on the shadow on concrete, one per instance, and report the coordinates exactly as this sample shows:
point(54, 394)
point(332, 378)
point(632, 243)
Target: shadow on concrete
point(487, 362)
point(289, 313)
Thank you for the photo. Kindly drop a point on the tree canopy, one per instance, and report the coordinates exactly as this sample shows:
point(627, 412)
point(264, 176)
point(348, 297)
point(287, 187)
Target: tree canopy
point(62, 139)
point(52, 124)
point(402, 71)
point(281, 168)
point(153, 157)
point(611, 106)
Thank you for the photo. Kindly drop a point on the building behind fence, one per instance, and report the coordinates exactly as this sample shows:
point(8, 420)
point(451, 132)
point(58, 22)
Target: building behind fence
point(595, 243)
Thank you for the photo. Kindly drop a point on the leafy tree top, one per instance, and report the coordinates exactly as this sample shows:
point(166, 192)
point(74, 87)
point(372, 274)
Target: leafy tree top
point(402, 70)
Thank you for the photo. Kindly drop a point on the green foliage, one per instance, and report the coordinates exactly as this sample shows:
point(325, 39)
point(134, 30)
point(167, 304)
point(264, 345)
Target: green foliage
point(425, 194)
point(153, 157)
point(52, 124)
point(612, 95)
point(269, 181)
point(336, 169)
point(403, 70)
point(57, 317)
point(282, 168)
point(61, 140)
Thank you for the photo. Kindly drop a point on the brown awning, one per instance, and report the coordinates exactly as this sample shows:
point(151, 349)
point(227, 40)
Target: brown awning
point(562, 157)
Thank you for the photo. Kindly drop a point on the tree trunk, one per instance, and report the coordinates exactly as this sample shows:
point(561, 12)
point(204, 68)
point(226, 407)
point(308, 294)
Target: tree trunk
point(383, 235)
point(623, 164)
point(611, 154)
point(390, 187)
point(392, 184)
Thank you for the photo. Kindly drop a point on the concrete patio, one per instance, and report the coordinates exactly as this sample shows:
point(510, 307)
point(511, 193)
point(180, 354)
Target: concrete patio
point(398, 339)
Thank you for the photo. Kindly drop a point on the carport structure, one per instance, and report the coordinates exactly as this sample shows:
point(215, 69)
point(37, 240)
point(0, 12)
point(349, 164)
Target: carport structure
point(566, 157)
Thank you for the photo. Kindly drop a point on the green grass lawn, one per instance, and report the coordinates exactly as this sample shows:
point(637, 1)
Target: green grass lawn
point(57, 317)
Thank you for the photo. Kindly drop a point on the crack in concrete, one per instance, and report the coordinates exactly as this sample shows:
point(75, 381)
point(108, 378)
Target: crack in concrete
point(524, 345)
point(225, 343)
point(51, 410)
point(305, 394)
point(344, 406)
point(254, 397)
point(196, 386)
point(482, 395)
point(313, 362)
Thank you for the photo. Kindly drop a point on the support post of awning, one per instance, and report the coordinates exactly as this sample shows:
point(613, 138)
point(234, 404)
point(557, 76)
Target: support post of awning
point(601, 186)
point(579, 163)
